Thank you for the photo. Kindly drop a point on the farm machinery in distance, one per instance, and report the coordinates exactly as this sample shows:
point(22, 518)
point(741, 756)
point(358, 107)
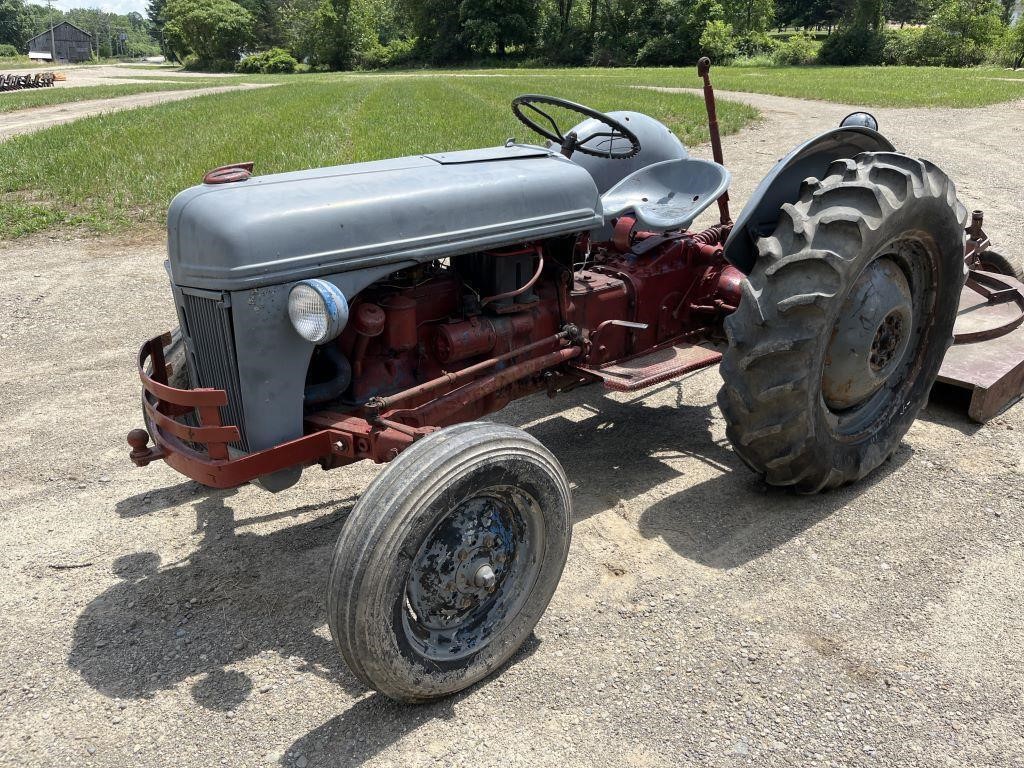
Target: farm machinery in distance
point(17, 82)
point(377, 311)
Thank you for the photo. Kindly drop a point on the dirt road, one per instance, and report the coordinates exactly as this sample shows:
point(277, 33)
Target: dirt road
point(38, 118)
point(702, 619)
point(79, 75)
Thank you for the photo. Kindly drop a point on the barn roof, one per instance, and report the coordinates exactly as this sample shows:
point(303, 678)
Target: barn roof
point(61, 24)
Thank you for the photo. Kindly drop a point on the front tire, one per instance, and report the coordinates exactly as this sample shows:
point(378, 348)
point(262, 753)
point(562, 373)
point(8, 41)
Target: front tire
point(844, 321)
point(449, 560)
point(177, 374)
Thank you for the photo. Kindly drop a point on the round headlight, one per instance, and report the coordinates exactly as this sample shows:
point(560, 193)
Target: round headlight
point(318, 310)
point(860, 120)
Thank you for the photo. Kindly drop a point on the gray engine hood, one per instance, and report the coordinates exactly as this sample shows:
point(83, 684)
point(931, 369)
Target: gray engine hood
point(285, 227)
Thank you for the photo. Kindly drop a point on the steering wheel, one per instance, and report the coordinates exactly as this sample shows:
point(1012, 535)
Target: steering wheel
point(571, 142)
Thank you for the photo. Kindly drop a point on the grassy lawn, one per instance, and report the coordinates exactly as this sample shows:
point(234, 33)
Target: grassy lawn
point(21, 62)
point(12, 101)
point(879, 86)
point(858, 86)
point(116, 169)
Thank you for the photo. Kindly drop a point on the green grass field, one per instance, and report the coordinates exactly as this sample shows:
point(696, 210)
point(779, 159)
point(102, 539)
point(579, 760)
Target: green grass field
point(858, 86)
point(44, 97)
point(112, 170)
point(20, 62)
point(879, 86)
point(125, 167)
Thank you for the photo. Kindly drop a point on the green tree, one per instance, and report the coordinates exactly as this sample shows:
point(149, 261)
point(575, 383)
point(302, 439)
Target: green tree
point(212, 30)
point(718, 41)
point(334, 34)
point(12, 23)
point(1013, 44)
point(498, 24)
point(815, 13)
point(437, 28)
point(867, 14)
point(909, 11)
point(961, 33)
point(637, 32)
point(266, 15)
point(749, 16)
point(299, 31)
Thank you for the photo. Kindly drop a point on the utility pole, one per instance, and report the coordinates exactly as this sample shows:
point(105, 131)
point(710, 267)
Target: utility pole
point(53, 41)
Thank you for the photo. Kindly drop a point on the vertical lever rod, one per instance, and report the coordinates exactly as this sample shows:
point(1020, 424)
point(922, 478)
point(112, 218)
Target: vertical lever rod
point(704, 71)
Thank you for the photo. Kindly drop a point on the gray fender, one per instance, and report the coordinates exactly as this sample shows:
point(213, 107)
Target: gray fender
point(782, 185)
point(273, 360)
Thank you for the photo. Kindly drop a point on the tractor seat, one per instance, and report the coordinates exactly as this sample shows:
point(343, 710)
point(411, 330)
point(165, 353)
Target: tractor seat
point(667, 195)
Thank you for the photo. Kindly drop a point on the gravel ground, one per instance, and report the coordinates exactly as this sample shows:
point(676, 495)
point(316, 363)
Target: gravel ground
point(79, 75)
point(702, 620)
point(38, 118)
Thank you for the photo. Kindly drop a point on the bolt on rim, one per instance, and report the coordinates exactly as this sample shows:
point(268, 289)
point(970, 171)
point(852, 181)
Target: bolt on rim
point(878, 338)
point(472, 574)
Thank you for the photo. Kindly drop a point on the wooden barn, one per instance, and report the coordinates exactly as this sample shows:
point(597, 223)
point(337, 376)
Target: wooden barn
point(72, 43)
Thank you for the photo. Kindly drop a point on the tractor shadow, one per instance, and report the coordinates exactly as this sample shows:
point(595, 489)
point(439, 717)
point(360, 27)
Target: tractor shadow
point(947, 407)
point(614, 451)
point(622, 449)
point(375, 722)
point(238, 594)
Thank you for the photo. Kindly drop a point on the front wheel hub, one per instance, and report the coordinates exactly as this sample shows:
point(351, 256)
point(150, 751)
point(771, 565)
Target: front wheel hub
point(871, 336)
point(469, 574)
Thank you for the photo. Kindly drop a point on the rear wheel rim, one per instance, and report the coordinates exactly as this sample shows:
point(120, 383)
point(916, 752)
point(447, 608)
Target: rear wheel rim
point(879, 340)
point(472, 574)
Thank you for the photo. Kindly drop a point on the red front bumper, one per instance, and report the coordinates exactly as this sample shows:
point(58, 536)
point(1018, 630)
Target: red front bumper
point(209, 462)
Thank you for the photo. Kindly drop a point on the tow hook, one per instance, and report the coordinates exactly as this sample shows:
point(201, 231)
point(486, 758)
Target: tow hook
point(141, 455)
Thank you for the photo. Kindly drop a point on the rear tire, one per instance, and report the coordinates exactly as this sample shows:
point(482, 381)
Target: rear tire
point(844, 321)
point(449, 560)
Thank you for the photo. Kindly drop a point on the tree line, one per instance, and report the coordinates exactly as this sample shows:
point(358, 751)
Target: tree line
point(368, 34)
point(276, 35)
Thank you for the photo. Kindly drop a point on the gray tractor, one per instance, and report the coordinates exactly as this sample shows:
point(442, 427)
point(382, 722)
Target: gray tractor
point(378, 311)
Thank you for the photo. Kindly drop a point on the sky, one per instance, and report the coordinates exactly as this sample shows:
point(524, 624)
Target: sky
point(111, 6)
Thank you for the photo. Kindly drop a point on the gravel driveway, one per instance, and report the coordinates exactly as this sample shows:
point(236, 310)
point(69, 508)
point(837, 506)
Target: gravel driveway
point(703, 619)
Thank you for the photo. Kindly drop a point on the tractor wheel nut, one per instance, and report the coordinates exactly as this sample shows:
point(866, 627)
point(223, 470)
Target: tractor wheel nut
point(485, 577)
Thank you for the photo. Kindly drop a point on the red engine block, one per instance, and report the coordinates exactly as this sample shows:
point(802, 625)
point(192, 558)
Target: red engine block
point(635, 292)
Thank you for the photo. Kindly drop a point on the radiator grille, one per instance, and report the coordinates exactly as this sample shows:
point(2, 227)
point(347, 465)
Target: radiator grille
point(209, 329)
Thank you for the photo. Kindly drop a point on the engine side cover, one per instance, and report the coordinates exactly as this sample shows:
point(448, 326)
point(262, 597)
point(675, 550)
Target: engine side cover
point(285, 227)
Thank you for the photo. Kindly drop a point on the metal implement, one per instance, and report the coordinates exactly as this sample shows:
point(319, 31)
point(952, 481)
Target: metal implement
point(987, 357)
point(17, 82)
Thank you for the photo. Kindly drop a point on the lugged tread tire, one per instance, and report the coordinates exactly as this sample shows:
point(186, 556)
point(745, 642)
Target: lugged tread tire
point(777, 419)
point(375, 551)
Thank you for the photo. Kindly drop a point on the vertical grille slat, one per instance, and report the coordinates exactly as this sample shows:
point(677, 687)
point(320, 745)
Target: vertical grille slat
point(213, 353)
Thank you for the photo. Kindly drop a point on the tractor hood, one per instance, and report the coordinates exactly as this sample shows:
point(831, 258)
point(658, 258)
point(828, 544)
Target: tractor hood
point(285, 227)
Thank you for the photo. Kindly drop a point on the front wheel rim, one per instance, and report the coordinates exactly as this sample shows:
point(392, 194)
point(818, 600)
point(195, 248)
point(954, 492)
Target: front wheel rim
point(472, 574)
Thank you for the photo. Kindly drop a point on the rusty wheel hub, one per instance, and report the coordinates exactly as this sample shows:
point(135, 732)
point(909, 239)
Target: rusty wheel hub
point(871, 336)
point(468, 574)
